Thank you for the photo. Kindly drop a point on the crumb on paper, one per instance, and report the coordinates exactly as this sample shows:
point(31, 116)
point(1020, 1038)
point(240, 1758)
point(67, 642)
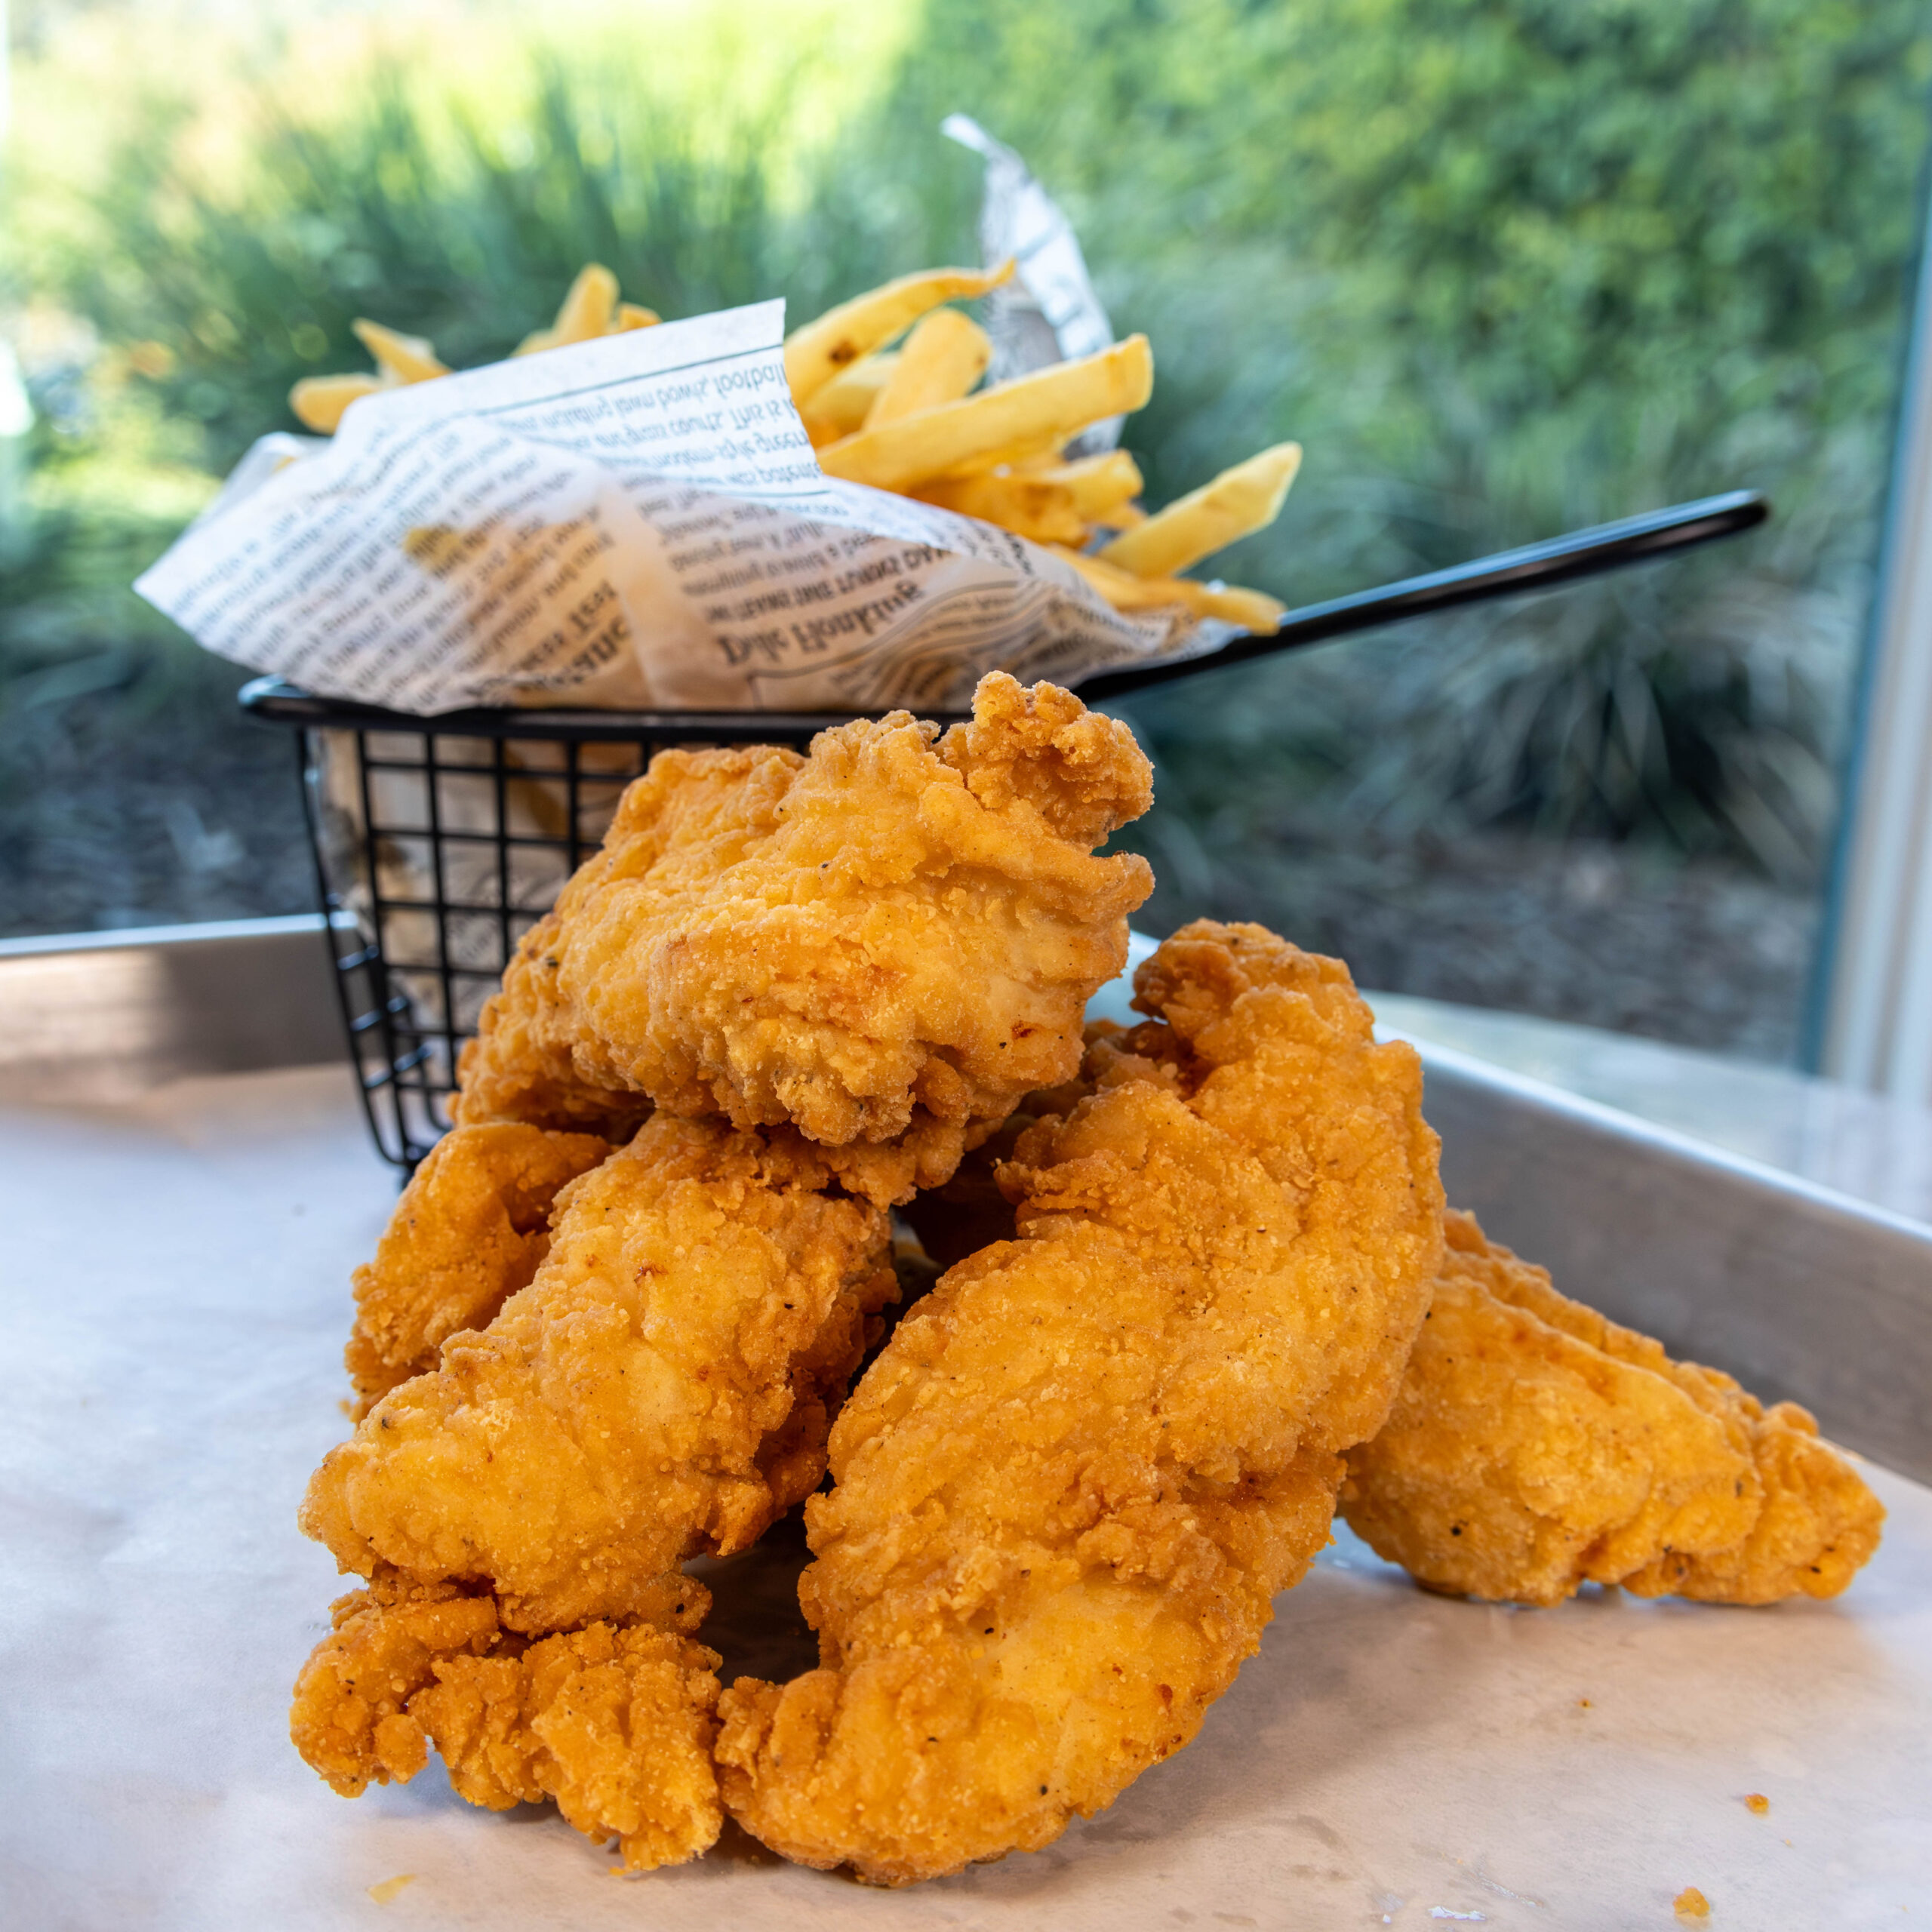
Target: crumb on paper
point(1691, 1903)
point(389, 1888)
point(1758, 1803)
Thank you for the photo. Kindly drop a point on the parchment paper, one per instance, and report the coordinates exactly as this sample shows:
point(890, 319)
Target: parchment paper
point(174, 1296)
point(635, 521)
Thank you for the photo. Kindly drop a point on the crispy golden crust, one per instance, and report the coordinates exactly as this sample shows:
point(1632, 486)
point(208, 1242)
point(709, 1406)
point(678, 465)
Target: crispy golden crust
point(1071, 1485)
point(349, 1719)
point(521, 1065)
point(896, 937)
point(614, 1723)
point(1536, 1446)
point(470, 1231)
point(662, 1387)
point(968, 1212)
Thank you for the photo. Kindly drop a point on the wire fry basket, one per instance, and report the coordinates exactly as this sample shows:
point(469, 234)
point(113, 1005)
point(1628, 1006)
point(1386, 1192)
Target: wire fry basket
point(438, 843)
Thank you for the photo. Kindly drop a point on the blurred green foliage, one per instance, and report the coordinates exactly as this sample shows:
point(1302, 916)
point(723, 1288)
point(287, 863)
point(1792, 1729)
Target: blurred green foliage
point(129, 791)
point(1504, 266)
point(73, 537)
point(413, 211)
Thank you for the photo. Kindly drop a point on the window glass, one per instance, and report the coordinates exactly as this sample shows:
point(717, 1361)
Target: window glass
point(1504, 270)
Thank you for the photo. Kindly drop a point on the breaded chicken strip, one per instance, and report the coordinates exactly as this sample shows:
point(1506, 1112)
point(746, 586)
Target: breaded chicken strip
point(614, 1722)
point(660, 1389)
point(1069, 1488)
point(887, 943)
point(1536, 1446)
point(520, 1066)
point(470, 1231)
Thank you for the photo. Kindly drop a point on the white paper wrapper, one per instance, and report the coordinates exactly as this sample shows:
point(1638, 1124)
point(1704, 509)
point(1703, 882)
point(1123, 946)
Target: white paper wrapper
point(1050, 311)
point(635, 521)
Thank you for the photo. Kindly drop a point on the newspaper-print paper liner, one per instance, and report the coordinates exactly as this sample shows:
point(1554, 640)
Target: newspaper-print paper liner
point(637, 521)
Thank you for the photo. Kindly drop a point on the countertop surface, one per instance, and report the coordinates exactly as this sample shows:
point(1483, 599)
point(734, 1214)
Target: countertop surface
point(173, 1302)
point(1866, 1145)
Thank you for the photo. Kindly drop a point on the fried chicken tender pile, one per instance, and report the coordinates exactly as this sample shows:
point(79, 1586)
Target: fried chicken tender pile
point(788, 993)
point(1070, 1487)
point(1196, 1288)
point(470, 1231)
point(1536, 1446)
point(886, 943)
point(613, 1721)
point(660, 1388)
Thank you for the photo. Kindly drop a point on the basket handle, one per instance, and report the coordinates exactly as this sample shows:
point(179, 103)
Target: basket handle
point(1608, 546)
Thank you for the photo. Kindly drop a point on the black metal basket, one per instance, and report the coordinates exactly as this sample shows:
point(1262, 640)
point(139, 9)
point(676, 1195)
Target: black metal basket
point(440, 841)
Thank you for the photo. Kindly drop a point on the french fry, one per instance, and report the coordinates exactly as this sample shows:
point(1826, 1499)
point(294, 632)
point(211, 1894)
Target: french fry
point(1253, 610)
point(320, 402)
point(1101, 485)
point(816, 353)
point(1038, 451)
point(954, 437)
point(944, 356)
point(1238, 502)
point(400, 358)
point(906, 420)
point(1027, 505)
point(590, 309)
point(840, 409)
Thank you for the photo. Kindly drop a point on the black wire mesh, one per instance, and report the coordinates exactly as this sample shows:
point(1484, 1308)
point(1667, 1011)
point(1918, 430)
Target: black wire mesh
point(445, 839)
point(437, 845)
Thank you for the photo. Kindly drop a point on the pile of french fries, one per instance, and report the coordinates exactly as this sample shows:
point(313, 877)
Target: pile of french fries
point(590, 308)
point(913, 419)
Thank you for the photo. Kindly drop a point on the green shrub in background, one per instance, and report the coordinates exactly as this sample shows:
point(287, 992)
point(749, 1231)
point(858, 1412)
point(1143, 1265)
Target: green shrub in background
point(412, 211)
point(1505, 268)
point(129, 793)
point(77, 529)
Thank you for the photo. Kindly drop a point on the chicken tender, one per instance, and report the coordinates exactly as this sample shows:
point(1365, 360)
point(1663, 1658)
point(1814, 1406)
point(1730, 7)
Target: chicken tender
point(969, 1212)
point(470, 1231)
point(1072, 1483)
point(886, 943)
point(612, 1722)
point(1535, 1446)
point(522, 1066)
point(661, 1388)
